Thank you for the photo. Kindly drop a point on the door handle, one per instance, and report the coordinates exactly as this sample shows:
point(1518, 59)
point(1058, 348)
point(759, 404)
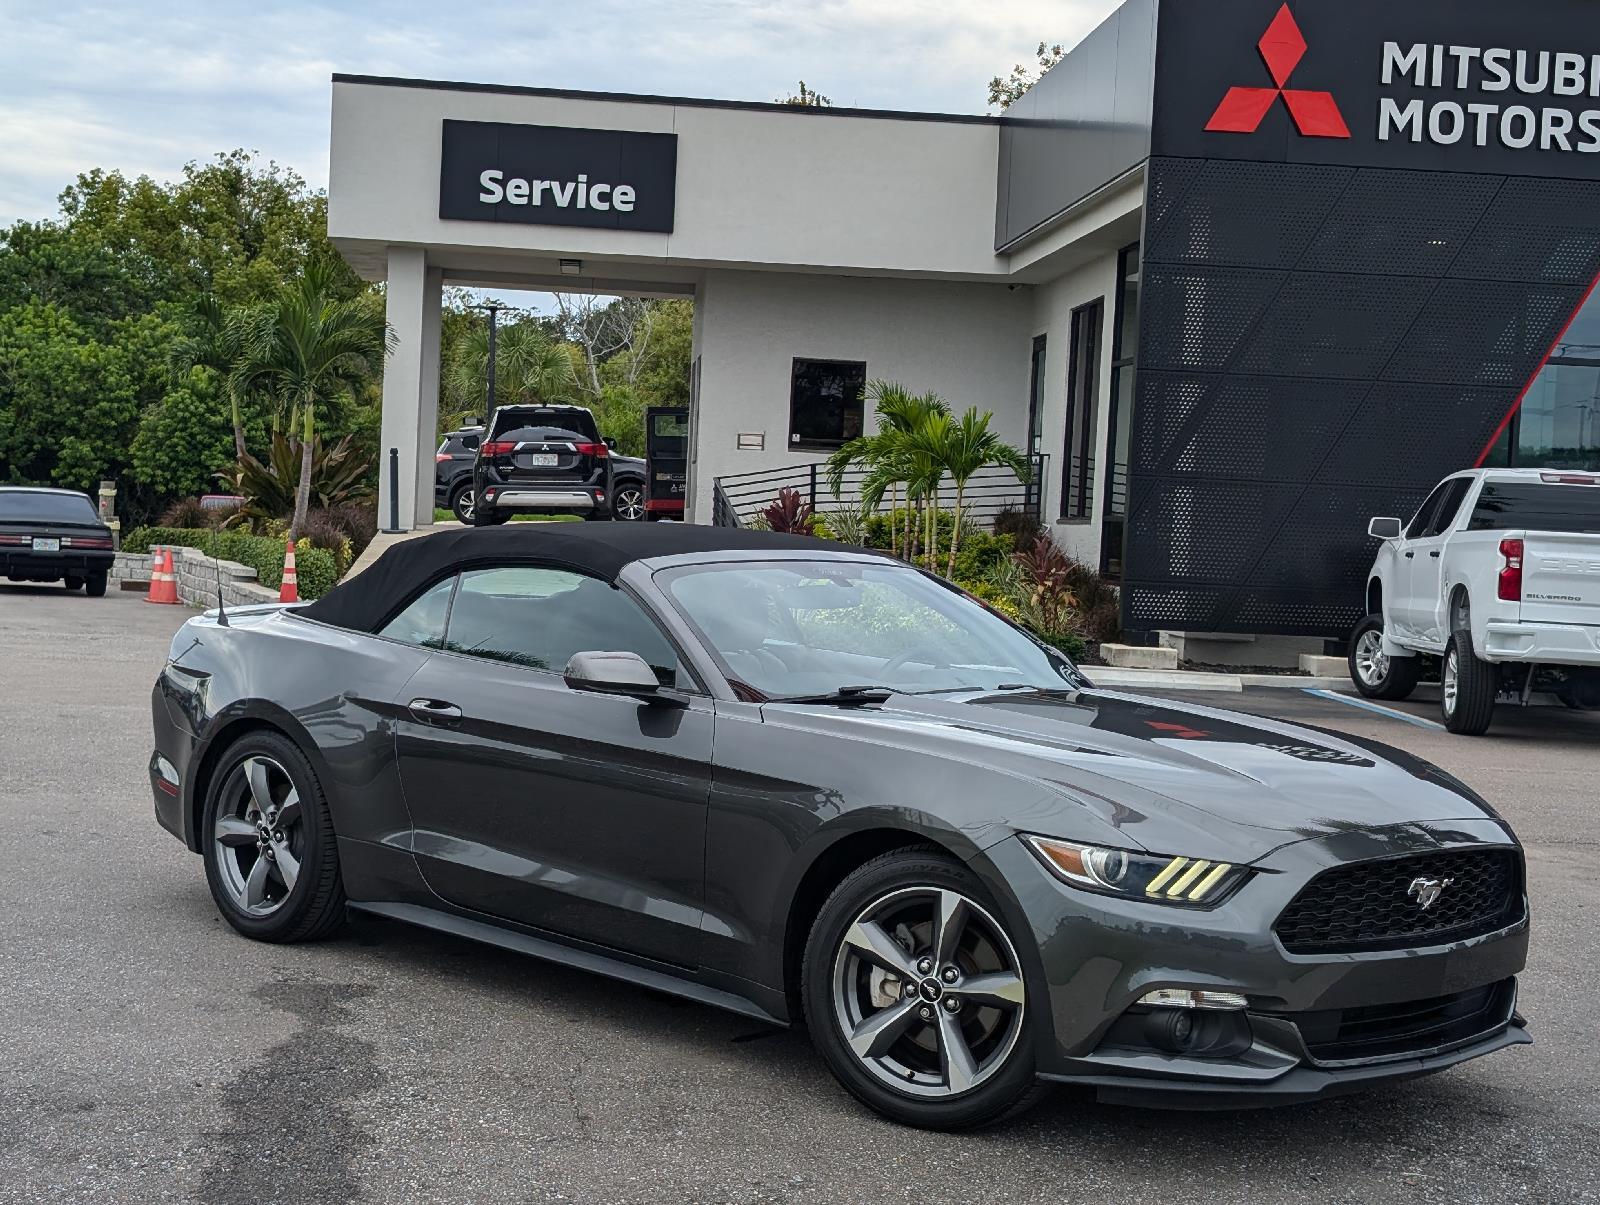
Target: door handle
point(1411, 556)
point(432, 711)
point(1434, 554)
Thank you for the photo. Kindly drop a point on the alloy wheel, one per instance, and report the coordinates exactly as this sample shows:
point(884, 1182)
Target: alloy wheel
point(628, 503)
point(1451, 683)
point(928, 992)
point(1371, 661)
point(464, 504)
point(260, 835)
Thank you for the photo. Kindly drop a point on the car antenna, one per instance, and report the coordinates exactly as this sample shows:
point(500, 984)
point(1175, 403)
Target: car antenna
point(222, 607)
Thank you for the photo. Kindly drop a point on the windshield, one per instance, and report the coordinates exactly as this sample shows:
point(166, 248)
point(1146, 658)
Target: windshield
point(789, 629)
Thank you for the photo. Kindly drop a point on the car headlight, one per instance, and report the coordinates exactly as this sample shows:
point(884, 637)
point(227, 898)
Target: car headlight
point(1185, 882)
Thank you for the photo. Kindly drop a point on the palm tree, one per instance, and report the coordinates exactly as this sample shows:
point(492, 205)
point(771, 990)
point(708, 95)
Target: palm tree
point(214, 341)
point(968, 446)
point(308, 350)
point(530, 367)
point(884, 453)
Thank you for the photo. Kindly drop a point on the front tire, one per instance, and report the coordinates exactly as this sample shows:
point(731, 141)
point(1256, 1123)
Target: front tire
point(1468, 688)
point(1376, 674)
point(271, 859)
point(627, 503)
point(915, 996)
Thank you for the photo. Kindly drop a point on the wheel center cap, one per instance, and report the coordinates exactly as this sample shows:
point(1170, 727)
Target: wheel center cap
point(930, 990)
point(264, 832)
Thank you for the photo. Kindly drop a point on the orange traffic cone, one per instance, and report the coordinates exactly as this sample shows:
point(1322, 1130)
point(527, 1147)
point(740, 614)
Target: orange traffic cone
point(290, 590)
point(163, 581)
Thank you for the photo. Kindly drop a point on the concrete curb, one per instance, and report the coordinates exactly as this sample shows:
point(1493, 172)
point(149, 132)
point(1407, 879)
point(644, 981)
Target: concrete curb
point(1156, 679)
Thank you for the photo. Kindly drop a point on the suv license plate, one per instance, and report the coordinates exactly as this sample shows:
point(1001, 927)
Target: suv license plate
point(40, 544)
point(543, 460)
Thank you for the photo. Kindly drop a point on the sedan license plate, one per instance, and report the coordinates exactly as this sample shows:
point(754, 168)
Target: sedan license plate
point(543, 460)
point(41, 544)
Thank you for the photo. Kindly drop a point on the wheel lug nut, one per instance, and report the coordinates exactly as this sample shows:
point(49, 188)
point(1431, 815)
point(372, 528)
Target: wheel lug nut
point(951, 974)
point(277, 836)
point(952, 1005)
point(911, 991)
point(925, 1013)
point(925, 966)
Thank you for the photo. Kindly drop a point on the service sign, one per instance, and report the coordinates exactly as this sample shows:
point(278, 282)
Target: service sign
point(558, 176)
point(1448, 85)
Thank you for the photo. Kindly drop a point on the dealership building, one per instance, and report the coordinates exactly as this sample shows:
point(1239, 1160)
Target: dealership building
point(1239, 274)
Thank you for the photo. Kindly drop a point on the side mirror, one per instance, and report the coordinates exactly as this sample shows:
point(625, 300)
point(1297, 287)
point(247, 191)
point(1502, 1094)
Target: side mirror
point(1385, 529)
point(618, 674)
point(610, 443)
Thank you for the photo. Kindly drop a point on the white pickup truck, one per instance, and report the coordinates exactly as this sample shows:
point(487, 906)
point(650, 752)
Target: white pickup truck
point(1499, 576)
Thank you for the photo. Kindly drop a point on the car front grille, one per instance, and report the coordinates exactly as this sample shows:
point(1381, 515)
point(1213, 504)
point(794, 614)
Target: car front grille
point(1388, 1031)
point(1377, 905)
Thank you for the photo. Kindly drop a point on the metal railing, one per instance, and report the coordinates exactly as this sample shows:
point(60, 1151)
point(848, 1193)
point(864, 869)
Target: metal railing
point(739, 497)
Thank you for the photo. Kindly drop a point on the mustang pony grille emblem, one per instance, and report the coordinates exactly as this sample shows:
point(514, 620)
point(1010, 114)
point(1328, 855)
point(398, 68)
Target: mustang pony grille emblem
point(1427, 891)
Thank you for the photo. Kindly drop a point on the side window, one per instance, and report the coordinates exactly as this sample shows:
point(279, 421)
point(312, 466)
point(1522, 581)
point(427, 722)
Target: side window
point(539, 618)
point(422, 623)
point(1449, 506)
point(1419, 522)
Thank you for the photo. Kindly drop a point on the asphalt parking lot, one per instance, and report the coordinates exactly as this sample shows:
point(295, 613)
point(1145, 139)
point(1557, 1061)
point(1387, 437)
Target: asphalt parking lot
point(150, 1054)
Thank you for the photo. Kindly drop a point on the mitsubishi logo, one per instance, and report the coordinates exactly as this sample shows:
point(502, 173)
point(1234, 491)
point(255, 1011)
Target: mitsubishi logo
point(1316, 114)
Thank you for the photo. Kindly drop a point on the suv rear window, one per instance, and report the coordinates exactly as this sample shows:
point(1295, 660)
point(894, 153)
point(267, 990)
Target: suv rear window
point(1533, 506)
point(50, 508)
point(543, 423)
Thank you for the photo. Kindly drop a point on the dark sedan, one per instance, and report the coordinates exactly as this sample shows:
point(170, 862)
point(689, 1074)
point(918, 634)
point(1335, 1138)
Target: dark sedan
point(811, 783)
point(50, 535)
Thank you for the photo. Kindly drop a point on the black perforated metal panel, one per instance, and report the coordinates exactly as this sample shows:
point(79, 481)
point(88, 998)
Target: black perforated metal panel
point(1365, 339)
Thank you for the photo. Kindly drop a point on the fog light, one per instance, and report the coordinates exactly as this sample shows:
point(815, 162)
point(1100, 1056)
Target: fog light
point(1172, 1031)
point(1181, 997)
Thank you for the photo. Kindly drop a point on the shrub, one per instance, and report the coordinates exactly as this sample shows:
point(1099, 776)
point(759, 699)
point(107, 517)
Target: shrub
point(315, 568)
point(1022, 527)
point(790, 513)
point(185, 512)
point(845, 526)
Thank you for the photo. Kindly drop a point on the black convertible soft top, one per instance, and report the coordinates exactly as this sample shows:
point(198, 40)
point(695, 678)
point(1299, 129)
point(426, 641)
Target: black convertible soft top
point(367, 601)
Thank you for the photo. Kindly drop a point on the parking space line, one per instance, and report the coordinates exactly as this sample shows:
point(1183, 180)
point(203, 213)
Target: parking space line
point(1364, 705)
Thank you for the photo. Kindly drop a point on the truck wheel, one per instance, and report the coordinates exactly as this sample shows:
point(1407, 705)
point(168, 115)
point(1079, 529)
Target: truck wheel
point(1469, 688)
point(1375, 673)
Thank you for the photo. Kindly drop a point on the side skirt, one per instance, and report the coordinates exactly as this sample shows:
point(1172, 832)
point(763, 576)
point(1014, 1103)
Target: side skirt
point(572, 956)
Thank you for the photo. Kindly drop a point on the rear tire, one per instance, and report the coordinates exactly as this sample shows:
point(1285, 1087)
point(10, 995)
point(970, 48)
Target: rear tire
point(95, 585)
point(627, 502)
point(264, 799)
point(73, 583)
point(1469, 687)
point(461, 499)
point(921, 1051)
point(1376, 675)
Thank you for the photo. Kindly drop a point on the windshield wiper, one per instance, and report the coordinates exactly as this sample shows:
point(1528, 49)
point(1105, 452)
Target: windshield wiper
point(845, 696)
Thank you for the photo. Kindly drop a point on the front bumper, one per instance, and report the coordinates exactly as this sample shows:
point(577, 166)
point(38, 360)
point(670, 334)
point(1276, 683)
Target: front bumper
point(29, 566)
point(1097, 956)
point(1542, 643)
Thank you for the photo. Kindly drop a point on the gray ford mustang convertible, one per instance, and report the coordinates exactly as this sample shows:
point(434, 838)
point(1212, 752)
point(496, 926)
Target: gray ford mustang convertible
point(808, 782)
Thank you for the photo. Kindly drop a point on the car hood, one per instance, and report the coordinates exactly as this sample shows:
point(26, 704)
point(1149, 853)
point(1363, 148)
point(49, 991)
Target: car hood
point(1165, 778)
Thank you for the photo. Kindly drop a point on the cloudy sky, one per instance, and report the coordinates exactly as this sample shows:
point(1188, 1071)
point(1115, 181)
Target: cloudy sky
point(146, 86)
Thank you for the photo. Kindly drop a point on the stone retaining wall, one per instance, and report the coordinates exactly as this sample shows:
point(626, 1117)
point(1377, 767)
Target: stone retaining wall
point(197, 575)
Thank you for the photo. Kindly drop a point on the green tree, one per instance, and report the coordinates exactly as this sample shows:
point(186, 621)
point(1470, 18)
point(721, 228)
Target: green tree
point(806, 98)
point(1007, 90)
point(183, 440)
point(530, 366)
point(312, 351)
point(966, 447)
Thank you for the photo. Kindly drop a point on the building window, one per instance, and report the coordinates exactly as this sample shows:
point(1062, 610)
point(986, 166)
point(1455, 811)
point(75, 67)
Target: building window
point(1036, 379)
point(1119, 420)
point(1083, 400)
point(825, 407)
point(1558, 423)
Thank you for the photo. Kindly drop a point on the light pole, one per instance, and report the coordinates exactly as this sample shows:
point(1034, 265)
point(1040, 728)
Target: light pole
point(494, 309)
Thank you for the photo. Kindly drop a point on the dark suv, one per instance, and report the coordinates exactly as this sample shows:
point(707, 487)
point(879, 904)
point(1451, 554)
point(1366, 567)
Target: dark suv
point(54, 535)
point(452, 471)
point(542, 460)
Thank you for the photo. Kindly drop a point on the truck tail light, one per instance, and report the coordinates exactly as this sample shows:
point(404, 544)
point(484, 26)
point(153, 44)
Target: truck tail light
point(1511, 575)
point(599, 450)
point(498, 447)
